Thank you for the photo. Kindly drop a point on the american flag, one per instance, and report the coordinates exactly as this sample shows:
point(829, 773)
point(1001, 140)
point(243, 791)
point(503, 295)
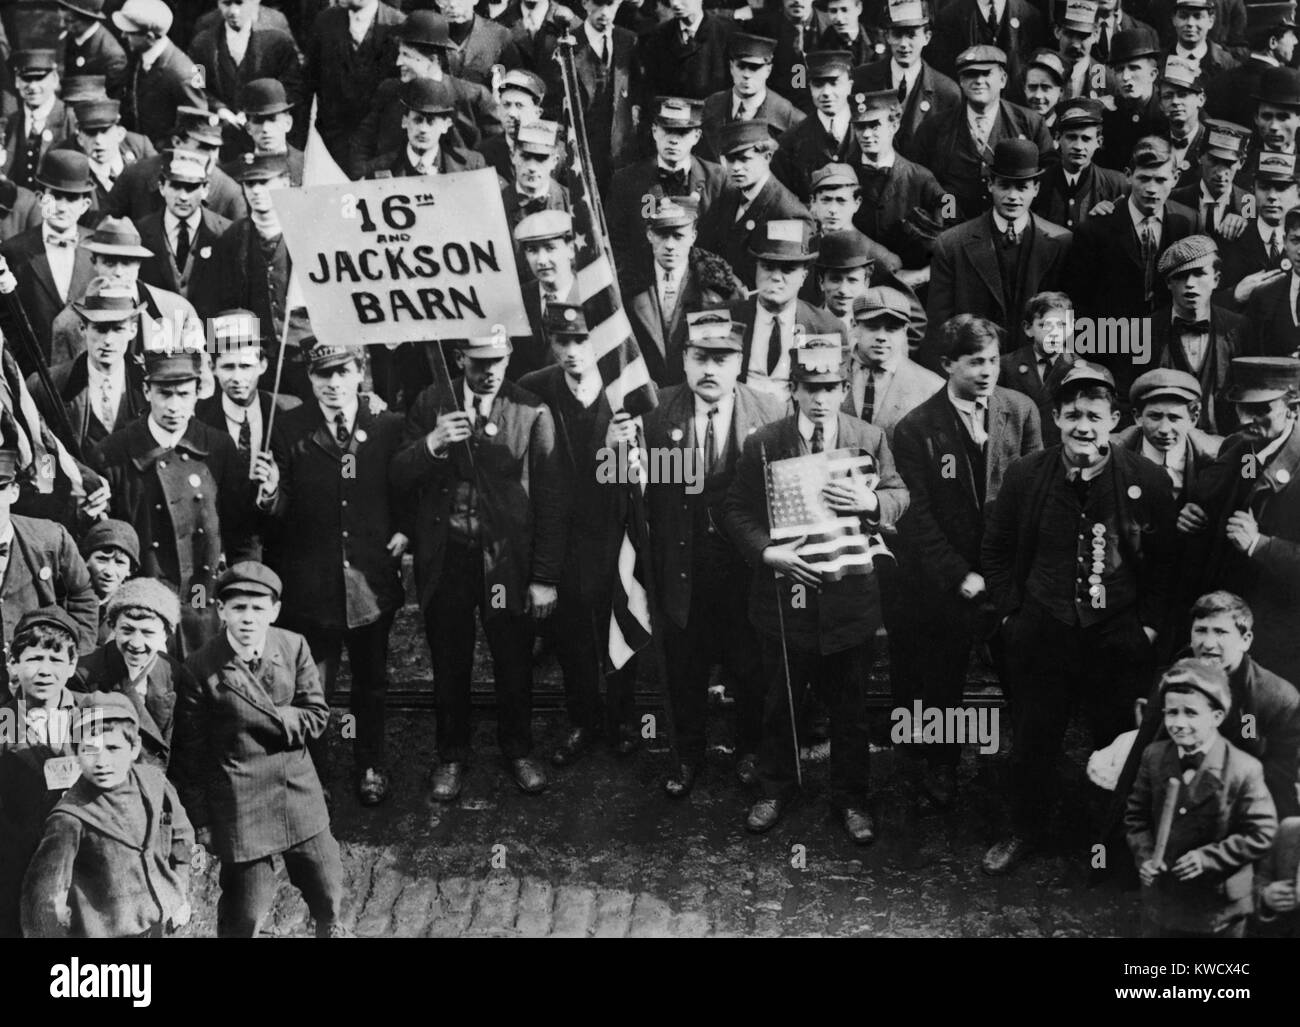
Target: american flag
point(834, 544)
point(627, 381)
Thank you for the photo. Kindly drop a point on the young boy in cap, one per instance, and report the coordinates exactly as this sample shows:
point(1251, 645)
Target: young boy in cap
point(1044, 85)
point(1166, 404)
point(181, 485)
point(114, 860)
point(143, 616)
point(111, 550)
point(36, 758)
point(483, 540)
point(1200, 885)
point(573, 391)
point(1079, 558)
point(242, 763)
point(816, 627)
point(429, 150)
point(162, 78)
point(89, 48)
point(749, 60)
point(111, 148)
point(751, 198)
point(183, 235)
point(1245, 527)
point(1036, 367)
point(320, 507)
point(846, 263)
point(884, 383)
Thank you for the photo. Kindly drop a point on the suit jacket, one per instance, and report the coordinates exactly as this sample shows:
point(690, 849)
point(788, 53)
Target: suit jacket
point(101, 54)
point(1059, 205)
point(15, 141)
point(487, 44)
point(152, 96)
point(1190, 197)
point(343, 79)
point(944, 145)
point(536, 51)
point(908, 187)
point(1124, 126)
point(45, 569)
point(71, 380)
point(628, 191)
point(1104, 273)
point(813, 319)
point(1228, 30)
point(1230, 95)
point(104, 670)
point(779, 113)
point(608, 112)
point(519, 478)
point(840, 614)
point(867, 47)
point(721, 233)
point(1146, 515)
point(270, 54)
point(695, 70)
point(961, 24)
point(671, 507)
point(1020, 372)
point(1269, 578)
point(662, 336)
point(965, 277)
point(163, 312)
point(242, 766)
point(1241, 257)
point(944, 522)
point(37, 291)
point(1217, 414)
point(19, 209)
point(477, 117)
point(1225, 815)
point(134, 147)
point(396, 164)
point(1269, 328)
point(909, 386)
point(788, 75)
point(160, 270)
point(1202, 448)
point(321, 510)
point(135, 194)
point(934, 95)
point(805, 148)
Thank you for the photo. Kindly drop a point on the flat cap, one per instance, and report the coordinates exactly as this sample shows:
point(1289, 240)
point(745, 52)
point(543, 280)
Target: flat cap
point(1164, 382)
point(1202, 676)
point(50, 616)
point(1051, 62)
point(880, 302)
point(78, 88)
point(833, 176)
point(96, 708)
point(111, 534)
point(545, 224)
point(144, 16)
point(1263, 379)
point(1078, 15)
point(1189, 252)
point(249, 577)
point(981, 56)
point(148, 594)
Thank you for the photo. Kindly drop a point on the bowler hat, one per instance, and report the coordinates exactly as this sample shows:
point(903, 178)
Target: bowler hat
point(778, 240)
point(264, 96)
point(106, 300)
point(746, 47)
point(907, 14)
point(1131, 44)
point(117, 237)
point(111, 534)
point(819, 360)
point(1263, 379)
point(1016, 159)
point(249, 577)
point(1279, 87)
point(1164, 382)
point(844, 249)
point(714, 329)
point(564, 319)
point(426, 29)
point(1202, 676)
point(65, 171)
point(163, 366)
point(488, 347)
point(428, 96)
point(93, 114)
point(738, 136)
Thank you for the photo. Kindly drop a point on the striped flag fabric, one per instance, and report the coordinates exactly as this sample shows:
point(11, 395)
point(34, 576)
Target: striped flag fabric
point(627, 381)
point(833, 543)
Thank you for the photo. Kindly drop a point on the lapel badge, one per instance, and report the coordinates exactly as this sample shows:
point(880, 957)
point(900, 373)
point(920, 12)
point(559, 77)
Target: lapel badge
point(1023, 369)
point(205, 252)
point(925, 105)
point(1098, 530)
point(45, 573)
point(195, 481)
point(1134, 492)
point(360, 435)
point(1015, 23)
point(749, 225)
point(1184, 165)
point(81, 62)
point(675, 435)
point(1286, 264)
point(490, 429)
point(1282, 475)
point(47, 136)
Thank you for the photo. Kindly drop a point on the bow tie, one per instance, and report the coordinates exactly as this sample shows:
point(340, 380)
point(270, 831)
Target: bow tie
point(60, 241)
point(674, 182)
point(874, 170)
point(1182, 327)
point(533, 206)
point(1192, 762)
point(1179, 144)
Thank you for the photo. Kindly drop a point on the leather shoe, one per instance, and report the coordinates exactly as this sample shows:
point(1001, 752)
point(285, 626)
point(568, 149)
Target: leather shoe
point(859, 825)
point(576, 745)
point(528, 775)
point(448, 779)
point(940, 784)
point(372, 789)
point(679, 785)
point(763, 815)
point(1005, 854)
point(747, 769)
point(626, 740)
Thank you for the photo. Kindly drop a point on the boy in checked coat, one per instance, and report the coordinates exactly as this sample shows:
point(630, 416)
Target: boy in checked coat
point(242, 764)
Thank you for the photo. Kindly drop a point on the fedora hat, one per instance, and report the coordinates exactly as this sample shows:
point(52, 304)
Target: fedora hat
point(116, 237)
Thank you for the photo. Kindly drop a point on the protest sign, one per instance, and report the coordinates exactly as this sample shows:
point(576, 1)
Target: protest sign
point(404, 259)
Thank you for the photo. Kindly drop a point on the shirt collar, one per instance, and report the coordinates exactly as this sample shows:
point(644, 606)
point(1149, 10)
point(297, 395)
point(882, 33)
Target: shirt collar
point(1196, 54)
point(1087, 473)
point(785, 315)
point(1001, 223)
point(167, 441)
point(896, 70)
point(890, 366)
point(1139, 217)
point(1217, 202)
point(1262, 455)
point(1266, 58)
point(243, 33)
point(1266, 231)
point(115, 374)
point(429, 159)
point(349, 413)
point(1174, 460)
point(724, 406)
point(82, 39)
point(151, 55)
point(234, 412)
point(829, 431)
point(485, 402)
point(41, 114)
point(170, 221)
point(596, 38)
point(693, 27)
point(244, 653)
point(966, 406)
point(586, 391)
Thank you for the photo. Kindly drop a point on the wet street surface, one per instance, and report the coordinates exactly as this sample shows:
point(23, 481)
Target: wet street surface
point(603, 852)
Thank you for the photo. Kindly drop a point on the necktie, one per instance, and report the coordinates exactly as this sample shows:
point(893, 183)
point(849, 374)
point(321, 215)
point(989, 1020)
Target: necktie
point(1103, 44)
point(1274, 251)
point(602, 54)
point(1211, 218)
point(4, 550)
point(670, 294)
point(105, 412)
point(254, 663)
point(1044, 368)
point(991, 22)
point(869, 395)
point(774, 347)
point(978, 433)
point(479, 417)
point(902, 89)
point(818, 443)
point(246, 436)
point(533, 206)
point(1148, 238)
point(738, 112)
point(182, 243)
point(710, 441)
point(340, 428)
point(673, 182)
point(1010, 237)
point(60, 241)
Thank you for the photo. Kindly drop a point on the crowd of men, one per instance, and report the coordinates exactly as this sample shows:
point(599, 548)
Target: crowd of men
point(1037, 266)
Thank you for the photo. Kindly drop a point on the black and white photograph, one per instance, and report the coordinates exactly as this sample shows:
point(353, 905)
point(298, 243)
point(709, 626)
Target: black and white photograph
point(651, 469)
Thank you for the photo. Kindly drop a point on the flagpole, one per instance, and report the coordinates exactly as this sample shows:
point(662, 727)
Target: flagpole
point(785, 654)
point(275, 390)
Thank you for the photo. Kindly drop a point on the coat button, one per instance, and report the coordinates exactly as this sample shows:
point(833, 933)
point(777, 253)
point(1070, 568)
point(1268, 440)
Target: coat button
point(346, 563)
point(157, 506)
point(162, 463)
point(185, 456)
point(683, 574)
point(345, 534)
point(344, 502)
point(155, 545)
point(682, 543)
point(1182, 810)
point(198, 531)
